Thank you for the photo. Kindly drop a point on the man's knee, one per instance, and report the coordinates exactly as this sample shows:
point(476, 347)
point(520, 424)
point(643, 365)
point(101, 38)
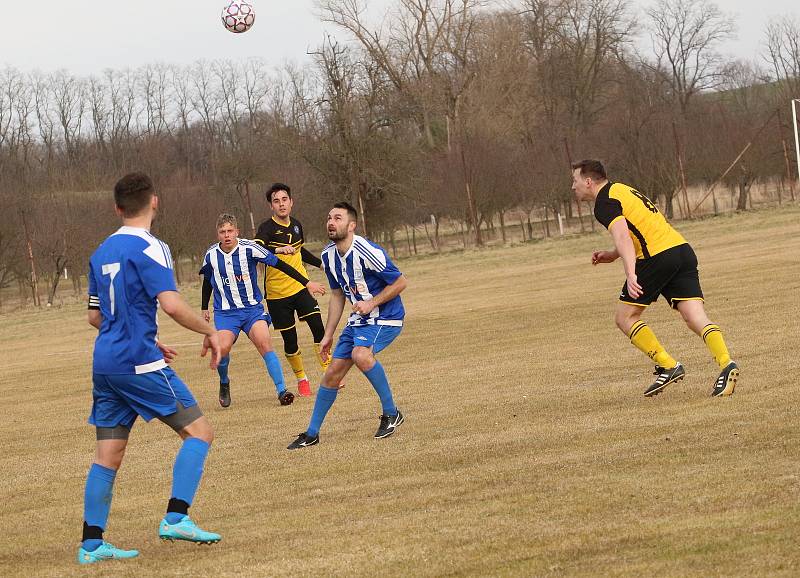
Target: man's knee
point(363, 358)
point(264, 346)
point(694, 314)
point(624, 318)
point(189, 422)
point(200, 428)
point(336, 371)
point(316, 327)
point(621, 320)
point(290, 345)
point(110, 450)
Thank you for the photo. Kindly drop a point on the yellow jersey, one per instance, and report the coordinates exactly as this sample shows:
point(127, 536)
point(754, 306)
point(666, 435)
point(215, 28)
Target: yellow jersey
point(649, 230)
point(272, 234)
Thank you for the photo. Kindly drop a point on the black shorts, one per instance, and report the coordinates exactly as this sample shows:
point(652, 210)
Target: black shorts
point(671, 273)
point(282, 310)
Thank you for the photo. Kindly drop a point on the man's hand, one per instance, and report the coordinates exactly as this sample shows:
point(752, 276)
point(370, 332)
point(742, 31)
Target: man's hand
point(206, 315)
point(363, 307)
point(315, 288)
point(634, 289)
point(325, 348)
point(169, 353)
point(604, 257)
point(212, 342)
point(285, 250)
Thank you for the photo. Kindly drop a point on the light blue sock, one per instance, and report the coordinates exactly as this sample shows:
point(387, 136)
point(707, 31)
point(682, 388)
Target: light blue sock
point(377, 377)
point(222, 369)
point(97, 500)
point(275, 371)
point(188, 469)
point(325, 398)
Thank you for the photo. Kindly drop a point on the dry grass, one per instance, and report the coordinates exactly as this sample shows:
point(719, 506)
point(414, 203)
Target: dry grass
point(528, 448)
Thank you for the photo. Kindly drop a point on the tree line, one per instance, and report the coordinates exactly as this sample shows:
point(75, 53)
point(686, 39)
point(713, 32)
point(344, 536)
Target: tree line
point(455, 111)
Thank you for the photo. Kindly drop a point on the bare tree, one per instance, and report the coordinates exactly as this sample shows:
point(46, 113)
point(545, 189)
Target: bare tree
point(68, 96)
point(783, 53)
point(686, 35)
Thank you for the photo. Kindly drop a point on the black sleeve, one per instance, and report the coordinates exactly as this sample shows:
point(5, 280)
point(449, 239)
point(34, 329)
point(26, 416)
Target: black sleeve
point(310, 258)
point(606, 210)
point(291, 272)
point(262, 236)
point(205, 295)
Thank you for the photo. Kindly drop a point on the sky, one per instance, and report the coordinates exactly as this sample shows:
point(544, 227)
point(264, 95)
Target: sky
point(87, 36)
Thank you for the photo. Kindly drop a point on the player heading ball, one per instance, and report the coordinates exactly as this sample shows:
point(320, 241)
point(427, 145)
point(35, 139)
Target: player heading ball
point(361, 272)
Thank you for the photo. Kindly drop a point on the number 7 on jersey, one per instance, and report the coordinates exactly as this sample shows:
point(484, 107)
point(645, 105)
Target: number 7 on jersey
point(111, 269)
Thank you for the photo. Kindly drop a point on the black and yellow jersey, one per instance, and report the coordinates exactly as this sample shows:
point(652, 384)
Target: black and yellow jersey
point(649, 230)
point(272, 235)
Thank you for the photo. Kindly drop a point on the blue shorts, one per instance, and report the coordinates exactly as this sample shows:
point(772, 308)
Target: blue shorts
point(118, 399)
point(236, 320)
point(378, 337)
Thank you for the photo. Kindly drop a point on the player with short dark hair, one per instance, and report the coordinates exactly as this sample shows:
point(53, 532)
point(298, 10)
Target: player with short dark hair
point(361, 272)
point(230, 271)
point(130, 276)
point(283, 235)
point(657, 261)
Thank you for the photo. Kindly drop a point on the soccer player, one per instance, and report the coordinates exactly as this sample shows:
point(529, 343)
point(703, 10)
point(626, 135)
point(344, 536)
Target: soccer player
point(361, 272)
point(130, 276)
point(657, 261)
point(283, 235)
point(230, 270)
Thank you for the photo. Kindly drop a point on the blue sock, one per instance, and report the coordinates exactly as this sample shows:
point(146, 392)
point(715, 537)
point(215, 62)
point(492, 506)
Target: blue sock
point(174, 517)
point(97, 500)
point(187, 471)
point(275, 371)
point(325, 398)
point(222, 369)
point(377, 377)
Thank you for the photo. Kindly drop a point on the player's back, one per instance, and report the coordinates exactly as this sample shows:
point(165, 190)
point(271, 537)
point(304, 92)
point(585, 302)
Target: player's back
point(126, 273)
point(650, 232)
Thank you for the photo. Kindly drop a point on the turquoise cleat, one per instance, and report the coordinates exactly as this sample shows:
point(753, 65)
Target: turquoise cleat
point(187, 530)
point(106, 551)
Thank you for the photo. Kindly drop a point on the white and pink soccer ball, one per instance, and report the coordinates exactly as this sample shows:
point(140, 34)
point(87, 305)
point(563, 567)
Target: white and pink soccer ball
point(238, 16)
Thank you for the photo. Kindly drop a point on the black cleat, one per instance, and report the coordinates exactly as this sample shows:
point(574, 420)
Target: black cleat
point(286, 398)
point(224, 394)
point(389, 423)
point(665, 377)
point(303, 441)
point(726, 382)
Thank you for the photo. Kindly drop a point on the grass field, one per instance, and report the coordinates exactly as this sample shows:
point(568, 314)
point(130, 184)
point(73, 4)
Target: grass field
point(528, 448)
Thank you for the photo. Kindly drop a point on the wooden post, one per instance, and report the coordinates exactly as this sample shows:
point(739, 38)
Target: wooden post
point(34, 280)
point(789, 176)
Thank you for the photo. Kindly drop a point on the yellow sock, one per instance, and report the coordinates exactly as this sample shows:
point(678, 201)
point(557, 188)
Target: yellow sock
point(323, 364)
point(296, 361)
point(643, 338)
point(712, 336)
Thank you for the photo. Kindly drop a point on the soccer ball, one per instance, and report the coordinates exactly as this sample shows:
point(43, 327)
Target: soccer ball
point(238, 16)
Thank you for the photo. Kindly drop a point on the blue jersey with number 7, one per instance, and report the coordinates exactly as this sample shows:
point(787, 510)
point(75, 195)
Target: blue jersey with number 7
point(126, 273)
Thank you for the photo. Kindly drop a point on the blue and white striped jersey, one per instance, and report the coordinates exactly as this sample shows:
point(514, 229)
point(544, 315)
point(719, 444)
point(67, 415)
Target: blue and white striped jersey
point(361, 273)
point(126, 273)
point(234, 276)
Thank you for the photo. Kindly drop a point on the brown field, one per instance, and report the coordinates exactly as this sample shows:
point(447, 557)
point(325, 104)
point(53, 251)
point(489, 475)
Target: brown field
point(528, 448)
